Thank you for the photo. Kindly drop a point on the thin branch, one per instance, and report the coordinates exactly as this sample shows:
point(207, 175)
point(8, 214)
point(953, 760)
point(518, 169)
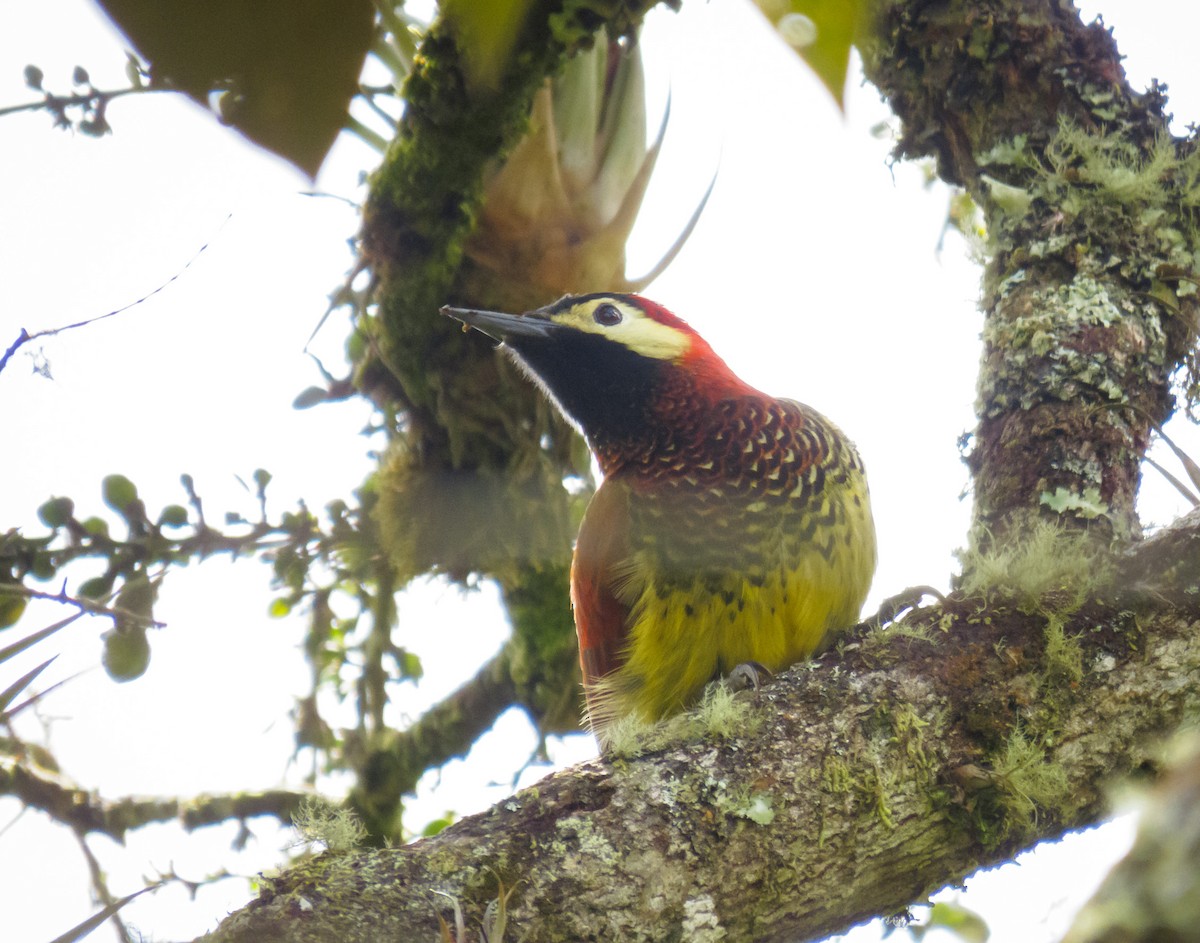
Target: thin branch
point(83, 604)
point(25, 337)
point(85, 812)
point(100, 887)
point(89, 99)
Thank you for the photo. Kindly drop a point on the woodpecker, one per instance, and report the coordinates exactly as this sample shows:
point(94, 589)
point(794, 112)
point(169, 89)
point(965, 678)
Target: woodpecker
point(730, 527)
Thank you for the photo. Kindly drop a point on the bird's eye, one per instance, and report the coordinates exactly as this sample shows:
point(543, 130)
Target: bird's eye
point(607, 314)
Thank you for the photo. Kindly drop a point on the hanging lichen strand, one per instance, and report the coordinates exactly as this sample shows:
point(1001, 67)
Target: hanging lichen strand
point(1090, 208)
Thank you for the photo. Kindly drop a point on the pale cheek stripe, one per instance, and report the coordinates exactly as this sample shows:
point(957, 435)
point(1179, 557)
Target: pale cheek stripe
point(639, 333)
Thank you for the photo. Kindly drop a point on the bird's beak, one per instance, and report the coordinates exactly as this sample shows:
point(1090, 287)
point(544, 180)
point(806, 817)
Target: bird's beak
point(500, 326)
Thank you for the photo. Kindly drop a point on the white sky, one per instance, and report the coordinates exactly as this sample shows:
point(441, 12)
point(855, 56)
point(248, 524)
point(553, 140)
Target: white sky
point(806, 218)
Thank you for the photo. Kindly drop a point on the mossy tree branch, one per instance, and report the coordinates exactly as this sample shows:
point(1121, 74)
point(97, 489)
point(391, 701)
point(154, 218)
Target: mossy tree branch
point(1153, 894)
point(845, 789)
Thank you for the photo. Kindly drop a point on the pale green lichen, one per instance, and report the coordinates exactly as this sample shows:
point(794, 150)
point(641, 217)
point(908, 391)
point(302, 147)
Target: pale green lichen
point(1040, 334)
point(319, 821)
point(760, 809)
point(701, 923)
point(757, 807)
point(723, 714)
point(1088, 505)
point(582, 845)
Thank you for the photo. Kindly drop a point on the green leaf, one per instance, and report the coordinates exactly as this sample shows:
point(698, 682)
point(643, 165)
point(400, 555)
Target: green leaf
point(309, 397)
point(409, 664)
point(279, 608)
point(967, 925)
point(118, 493)
point(9, 693)
point(173, 515)
point(485, 34)
point(285, 72)
point(43, 567)
point(126, 653)
point(11, 651)
point(81, 930)
point(98, 587)
point(136, 600)
point(96, 526)
point(56, 512)
point(437, 825)
point(11, 608)
point(822, 32)
point(262, 478)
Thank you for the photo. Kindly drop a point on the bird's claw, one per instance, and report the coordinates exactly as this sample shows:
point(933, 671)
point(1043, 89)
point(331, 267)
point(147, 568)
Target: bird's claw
point(748, 676)
point(892, 607)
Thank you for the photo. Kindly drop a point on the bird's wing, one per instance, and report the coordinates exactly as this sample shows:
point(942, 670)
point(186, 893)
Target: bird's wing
point(602, 548)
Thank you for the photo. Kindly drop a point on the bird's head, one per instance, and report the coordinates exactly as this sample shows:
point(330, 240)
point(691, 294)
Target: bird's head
point(615, 364)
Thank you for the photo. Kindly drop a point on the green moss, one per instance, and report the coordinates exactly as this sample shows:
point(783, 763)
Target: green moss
point(867, 784)
point(836, 777)
point(909, 736)
point(425, 196)
point(1062, 659)
point(720, 713)
point(1027, 783)
point(874, 790)
point(1046, 559)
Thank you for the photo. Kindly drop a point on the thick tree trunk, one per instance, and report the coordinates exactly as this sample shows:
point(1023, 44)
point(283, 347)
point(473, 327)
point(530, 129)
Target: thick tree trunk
point(1086, 197)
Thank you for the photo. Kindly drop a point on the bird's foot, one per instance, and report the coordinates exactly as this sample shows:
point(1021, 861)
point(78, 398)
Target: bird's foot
point(894, 606)
point(748, 676)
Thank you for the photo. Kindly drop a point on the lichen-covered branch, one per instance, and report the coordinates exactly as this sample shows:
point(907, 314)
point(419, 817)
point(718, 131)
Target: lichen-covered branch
point(1091, 213)
point(847, 788)
point(85, 812)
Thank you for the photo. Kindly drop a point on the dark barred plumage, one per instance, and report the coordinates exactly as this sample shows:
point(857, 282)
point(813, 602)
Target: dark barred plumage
point(730, 526)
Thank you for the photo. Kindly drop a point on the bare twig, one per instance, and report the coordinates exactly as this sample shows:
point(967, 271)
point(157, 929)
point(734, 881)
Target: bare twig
point(25, 337)
point(100, 887)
